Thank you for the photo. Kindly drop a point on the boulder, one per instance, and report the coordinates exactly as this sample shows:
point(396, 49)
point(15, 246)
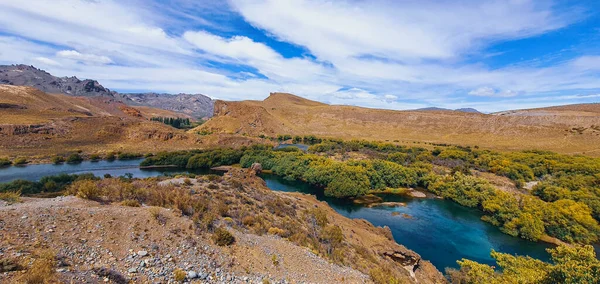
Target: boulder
point(257, 168)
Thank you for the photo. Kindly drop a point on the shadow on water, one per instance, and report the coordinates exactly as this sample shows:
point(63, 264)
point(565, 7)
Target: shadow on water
point(441, 231)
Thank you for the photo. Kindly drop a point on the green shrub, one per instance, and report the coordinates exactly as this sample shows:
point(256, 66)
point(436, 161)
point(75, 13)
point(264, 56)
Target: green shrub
point(110, 156)
point(222, 237)
point(57, 160)
point(5, 162)
point(94, 157)
point(129, 156)
point(74, 159)
point(20, 161)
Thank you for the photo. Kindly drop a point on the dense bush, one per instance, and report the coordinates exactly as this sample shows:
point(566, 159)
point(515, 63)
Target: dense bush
point(46, 184)
point(20, 161)
point(5, 162)
point(570, 264)
point(222, 237)
point(129, 156)
point(74, 159)
point(57, 160)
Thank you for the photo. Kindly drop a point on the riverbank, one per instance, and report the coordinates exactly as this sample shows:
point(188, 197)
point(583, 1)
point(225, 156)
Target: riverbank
point(155, 243)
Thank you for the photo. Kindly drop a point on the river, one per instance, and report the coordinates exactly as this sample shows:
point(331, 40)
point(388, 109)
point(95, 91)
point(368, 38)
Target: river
point(441, 231)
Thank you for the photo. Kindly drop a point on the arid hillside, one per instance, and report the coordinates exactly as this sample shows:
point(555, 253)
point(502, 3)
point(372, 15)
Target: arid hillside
point(36, 123)
point(171, 230)
point(568, 129)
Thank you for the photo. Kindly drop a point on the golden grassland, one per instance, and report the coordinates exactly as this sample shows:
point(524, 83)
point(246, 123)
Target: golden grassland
point(39, 125)
point(568, 129)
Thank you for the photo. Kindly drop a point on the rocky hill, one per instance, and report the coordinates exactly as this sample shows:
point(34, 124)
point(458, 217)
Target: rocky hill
point(36, 123)
point(569, 129)
point(271, 237)
point(195, 106)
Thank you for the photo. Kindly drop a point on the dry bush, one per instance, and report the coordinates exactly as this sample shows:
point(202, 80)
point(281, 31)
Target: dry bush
point(157, 215)
point(248, 220)
point(7, 265)
point(11, 196)
point(131, 203)
point(187, 181)
point(222, 237)
point(276, 231)
point(179, 275)
point(42, 270)
point(383, 275)
point(86, 189)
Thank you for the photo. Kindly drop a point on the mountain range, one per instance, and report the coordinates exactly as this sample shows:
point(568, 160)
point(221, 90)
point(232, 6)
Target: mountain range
point(187, 105)
point(471, 110)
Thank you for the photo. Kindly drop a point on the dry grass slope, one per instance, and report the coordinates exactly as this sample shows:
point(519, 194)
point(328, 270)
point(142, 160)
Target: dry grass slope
point(569, 129)
point(35, 123)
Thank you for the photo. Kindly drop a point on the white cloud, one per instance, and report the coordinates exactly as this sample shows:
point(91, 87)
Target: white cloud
point(83, 57)
point(397, 29)
point(244, 50)
point(490, 92)
point(368, 53)
point(46, 61)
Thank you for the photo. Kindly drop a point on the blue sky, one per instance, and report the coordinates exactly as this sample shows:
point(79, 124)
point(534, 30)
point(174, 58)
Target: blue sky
point(490, 55)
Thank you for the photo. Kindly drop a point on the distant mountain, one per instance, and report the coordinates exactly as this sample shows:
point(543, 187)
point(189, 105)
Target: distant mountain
point(470, 110)
point(194, 105)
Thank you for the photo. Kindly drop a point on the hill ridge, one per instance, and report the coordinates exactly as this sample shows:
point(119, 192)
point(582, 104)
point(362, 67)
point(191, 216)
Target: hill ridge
point(194, 105)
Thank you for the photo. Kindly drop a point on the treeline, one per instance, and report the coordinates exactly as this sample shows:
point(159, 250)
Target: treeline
point(48, 184)
point(176, 122)
point(564, 203)
point(570, 264)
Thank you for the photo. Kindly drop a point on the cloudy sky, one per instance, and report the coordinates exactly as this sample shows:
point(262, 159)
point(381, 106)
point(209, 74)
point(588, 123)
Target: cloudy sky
point(397, 54)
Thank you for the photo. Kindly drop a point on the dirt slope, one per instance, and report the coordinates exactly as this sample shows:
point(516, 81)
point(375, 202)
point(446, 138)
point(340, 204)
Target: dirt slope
point(91, 239)
point(571, 129)
point(36, 123)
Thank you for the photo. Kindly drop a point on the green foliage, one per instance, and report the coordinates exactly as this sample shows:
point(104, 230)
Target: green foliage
point(94, 157)
point(570, 264)
point(5, 162)
point(74, 159)
point(222, 237)
point(129, 156)
point(213, 158)
point(20, 161)
point(176, 122)
point(46, 184)
point(57, 160)
point(110, 156)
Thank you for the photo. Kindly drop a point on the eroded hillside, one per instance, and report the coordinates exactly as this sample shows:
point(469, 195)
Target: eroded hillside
point(280, 237)
point(562, 130)
point(36, 123)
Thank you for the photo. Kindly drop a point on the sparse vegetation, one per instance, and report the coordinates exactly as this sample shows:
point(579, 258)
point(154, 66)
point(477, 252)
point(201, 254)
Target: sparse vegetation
point(42, 270)
point(131, 203)
point(11, 197)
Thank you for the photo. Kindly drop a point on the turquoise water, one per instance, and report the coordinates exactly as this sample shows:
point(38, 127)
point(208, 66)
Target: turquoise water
point(441, 231)
point(302, 147)
point(100, 168)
